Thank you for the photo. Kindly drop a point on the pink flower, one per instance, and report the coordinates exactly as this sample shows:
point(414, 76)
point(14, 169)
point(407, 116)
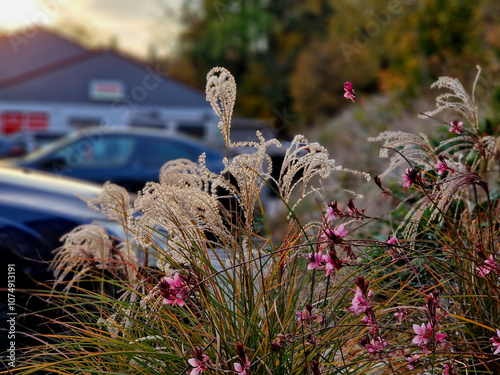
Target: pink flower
point(315, 260)
point(244, 364)
point(400, 315)
point(440, 337)
point(392, 240)
point(423, 333)
point(406, 176)
point(375, 346)
point(340, 231)
point(198, 366)
point(456, 127)
point(442, 167)
point(367, 320)
point(349, 92)
point(359, 302)
point(411, 359)
point(200, 362)
point(173, 290)
point(239, 369)
point(332, 262)
point(496, 342)
point(489, 266)
point(335, 235)
point(330, 214)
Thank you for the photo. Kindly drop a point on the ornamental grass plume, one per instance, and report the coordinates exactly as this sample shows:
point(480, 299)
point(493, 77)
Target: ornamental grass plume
point(219, 294)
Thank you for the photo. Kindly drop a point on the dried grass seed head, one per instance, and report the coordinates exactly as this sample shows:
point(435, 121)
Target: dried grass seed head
point(113, 202)
point(221, 94)
point(458, 100)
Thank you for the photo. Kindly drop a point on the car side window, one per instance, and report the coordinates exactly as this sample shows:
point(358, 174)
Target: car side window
point(158, 152)
point(101, 152)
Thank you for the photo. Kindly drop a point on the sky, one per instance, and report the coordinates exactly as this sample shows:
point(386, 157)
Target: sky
point(133, 25)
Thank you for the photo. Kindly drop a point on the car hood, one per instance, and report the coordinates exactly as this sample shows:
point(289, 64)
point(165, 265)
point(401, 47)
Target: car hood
point(45, 193)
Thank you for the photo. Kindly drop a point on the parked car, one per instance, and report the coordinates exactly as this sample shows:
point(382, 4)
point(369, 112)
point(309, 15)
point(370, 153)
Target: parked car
point(36, 210)
point(9, 148)
point(129, 157)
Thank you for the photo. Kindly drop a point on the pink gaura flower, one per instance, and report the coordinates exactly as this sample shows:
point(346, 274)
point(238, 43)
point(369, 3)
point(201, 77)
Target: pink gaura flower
point(330, 214)
point(349, 92)
point(359, 303)
point(315, 260)
point(410, 360)
point(335, 235)
point(423, 334)
point(400, 315)
point(392, 240)
point(332, 262)
point(456, 127)
point(442, 167)
point(496, 342)
point(174, 290)
point(244, 364)
point(490, 265)
point(407, 179)
point(376, 346)
point(240, 370)
point(340, 231)
point(392, 250)
point(200, 362)
point(440, 337)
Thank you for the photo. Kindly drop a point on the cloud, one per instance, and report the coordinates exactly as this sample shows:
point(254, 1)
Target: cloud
point(135, 25)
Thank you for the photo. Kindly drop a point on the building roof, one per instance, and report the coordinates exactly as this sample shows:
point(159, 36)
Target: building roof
point(25, 53)
point(48, 68)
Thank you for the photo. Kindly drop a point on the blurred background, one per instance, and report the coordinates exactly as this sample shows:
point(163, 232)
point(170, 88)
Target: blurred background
point(290, 59)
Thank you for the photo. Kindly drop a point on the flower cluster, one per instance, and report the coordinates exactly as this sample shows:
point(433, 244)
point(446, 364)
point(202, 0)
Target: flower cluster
point(430, 333)
point(360, 302)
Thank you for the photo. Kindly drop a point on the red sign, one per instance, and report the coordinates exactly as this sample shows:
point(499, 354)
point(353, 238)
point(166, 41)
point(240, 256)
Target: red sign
point(13, 121)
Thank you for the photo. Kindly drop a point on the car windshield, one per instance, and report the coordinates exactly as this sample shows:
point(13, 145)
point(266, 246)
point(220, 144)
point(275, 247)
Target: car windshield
point(50, 147)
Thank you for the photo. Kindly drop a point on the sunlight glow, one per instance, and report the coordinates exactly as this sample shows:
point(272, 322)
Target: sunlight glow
point(23, 13)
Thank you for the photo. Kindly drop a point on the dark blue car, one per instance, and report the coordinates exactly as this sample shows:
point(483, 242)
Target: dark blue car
point(129, 157)
point(36, 210)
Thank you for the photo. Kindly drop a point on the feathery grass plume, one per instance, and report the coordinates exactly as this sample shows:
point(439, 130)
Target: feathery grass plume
point(221, 93)
point(185, 214)
point(458, 100)
point(415, 148)
point(184, 172)
point(303, 162)
point(88, 249)
point(113, 202)
point(248, 174)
